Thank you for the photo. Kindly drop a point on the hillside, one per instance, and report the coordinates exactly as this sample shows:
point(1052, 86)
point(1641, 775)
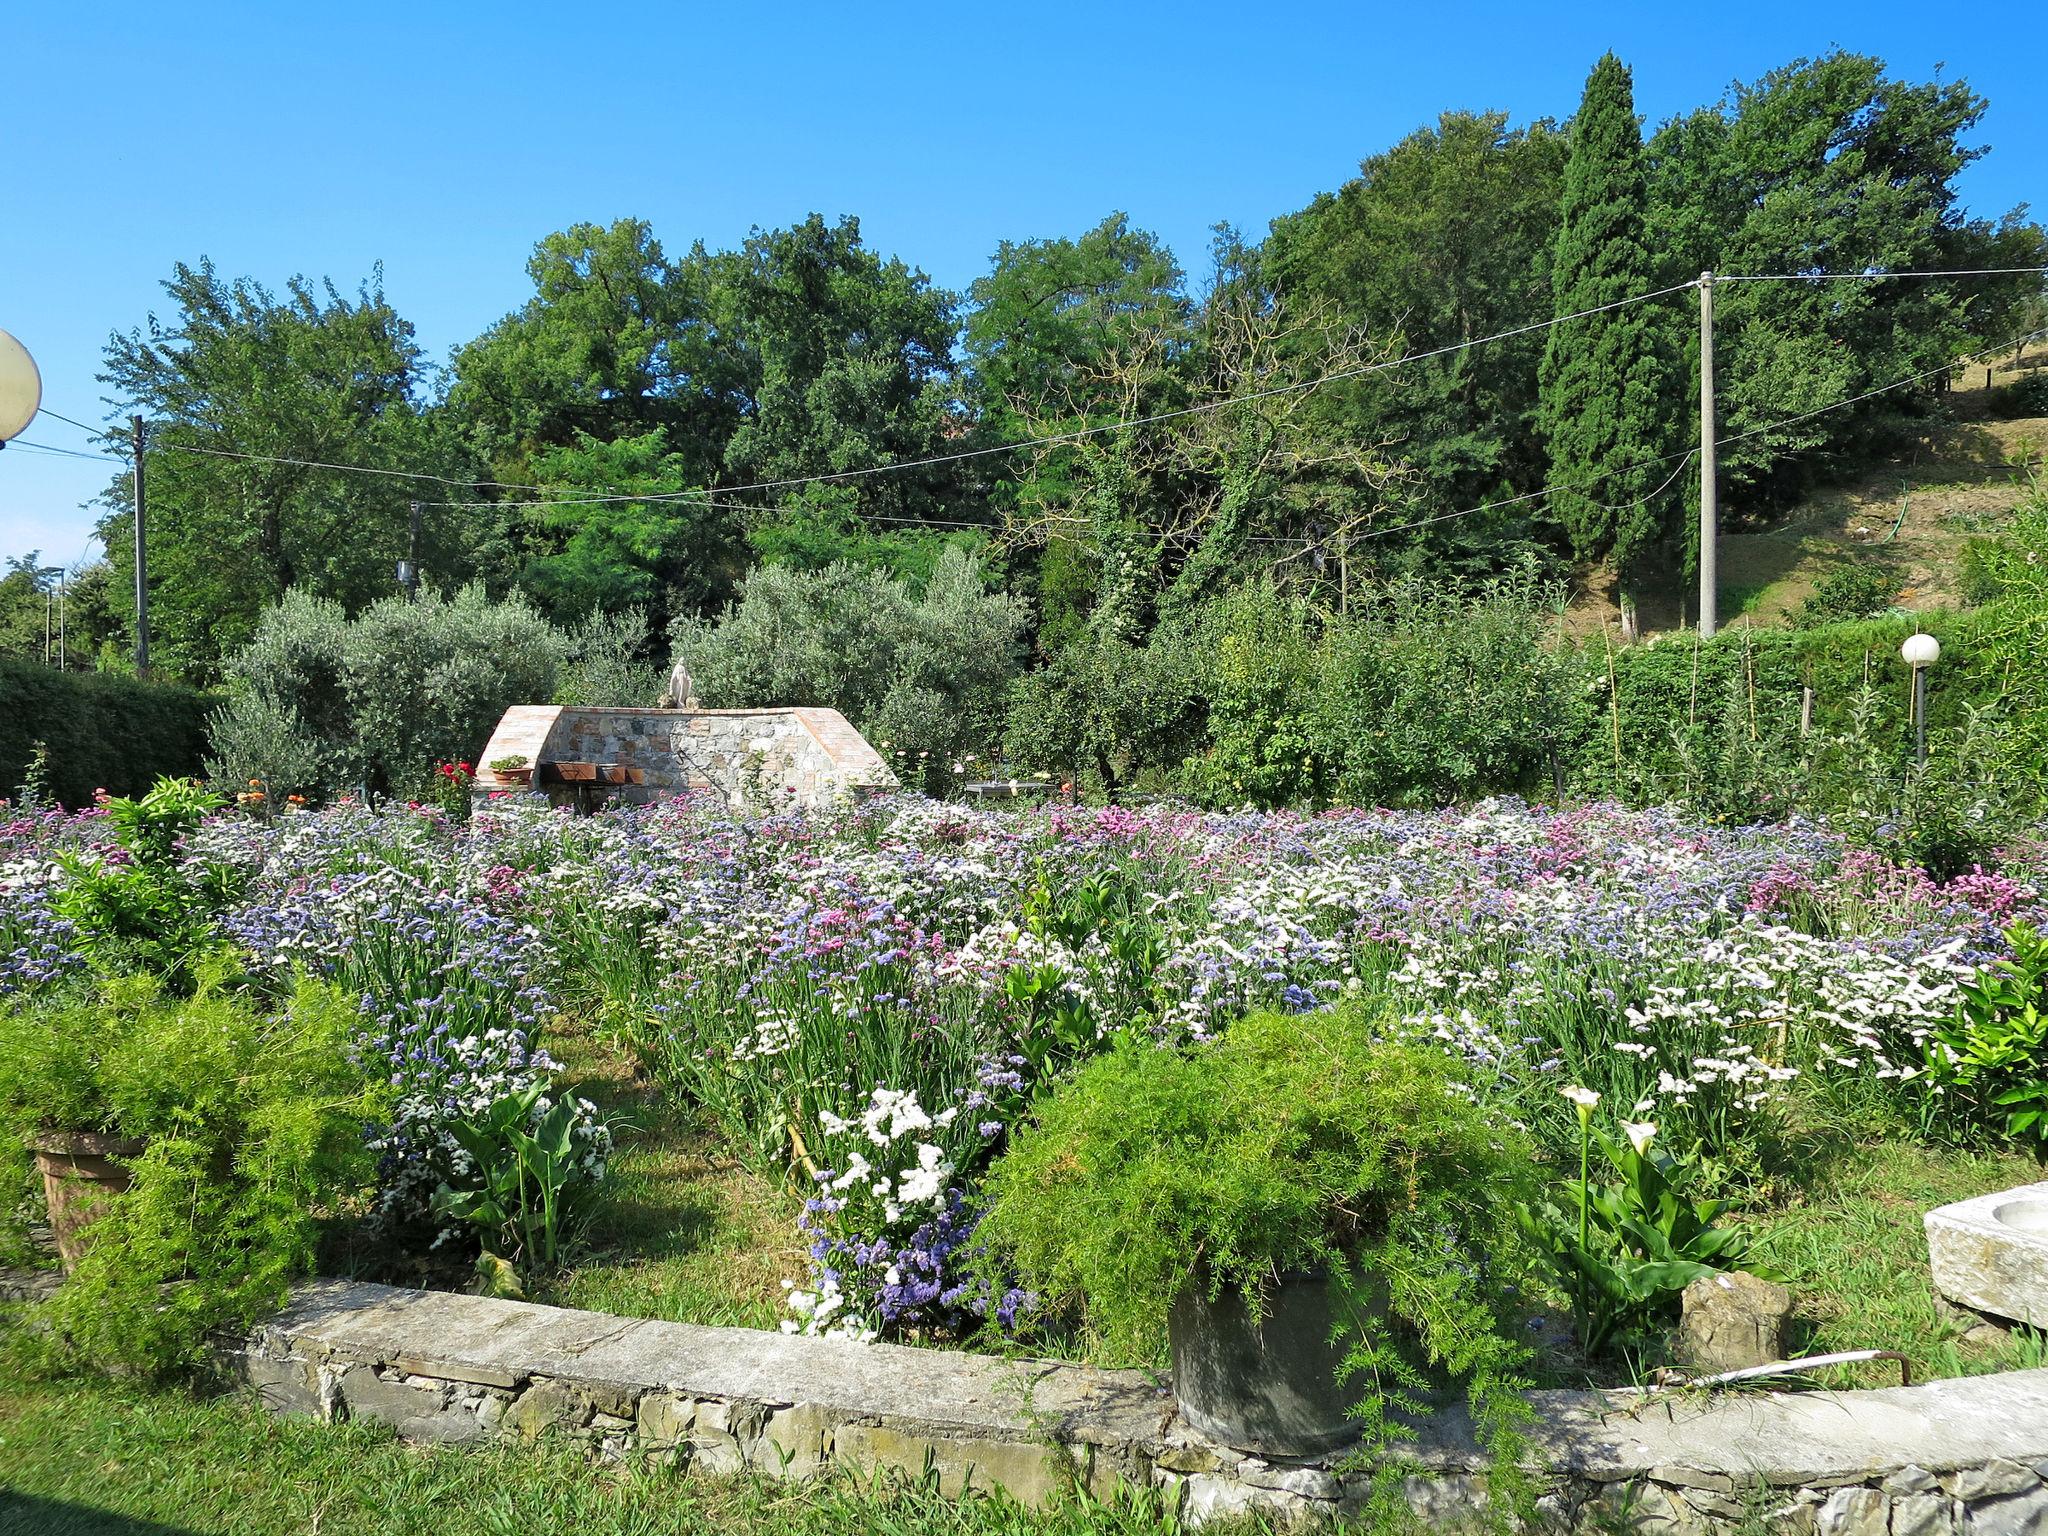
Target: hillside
point(1960, 478)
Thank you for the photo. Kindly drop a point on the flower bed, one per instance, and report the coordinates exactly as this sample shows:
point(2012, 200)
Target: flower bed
point(863, 1006)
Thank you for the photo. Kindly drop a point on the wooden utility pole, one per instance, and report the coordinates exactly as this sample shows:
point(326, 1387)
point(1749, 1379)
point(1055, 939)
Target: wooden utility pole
point(1710, 512)
point(412, 551)
point(141, 557)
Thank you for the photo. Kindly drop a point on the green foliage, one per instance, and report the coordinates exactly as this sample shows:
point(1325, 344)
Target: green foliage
point(309, 376)
point(1430, 695)
point(1606, 382)
point(608, 665)
point(1624, 1249)
point(256, 739)
point(385, 696)
point(1829, 164)
point(100, 731)
point(1292, 1143)
point(1102, 707)
point(155, 908)
point(252, 1120)
point(1861, 590)
point(1262, 671)
point(531, 1175)
point(1993, 1056)
point(1443, 238)
point(926, 675)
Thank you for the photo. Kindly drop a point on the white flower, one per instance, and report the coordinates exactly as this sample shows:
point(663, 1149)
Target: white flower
point(1584, 1098)
point(1639, 1134)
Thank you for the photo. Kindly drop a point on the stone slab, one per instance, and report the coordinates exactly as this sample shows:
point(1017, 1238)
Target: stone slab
point(1991, 1253)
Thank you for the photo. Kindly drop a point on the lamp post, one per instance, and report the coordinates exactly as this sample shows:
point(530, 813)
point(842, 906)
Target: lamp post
point(1920, 653)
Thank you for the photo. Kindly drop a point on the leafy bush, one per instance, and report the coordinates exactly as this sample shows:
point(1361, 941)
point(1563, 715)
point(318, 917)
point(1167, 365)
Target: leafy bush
point(255, 739)
point(1994, 1055)
point(1293, 1143)
point(155, 907)
point(530, 1167)
point(1434, 694)
point(1861, 590)
point(253, 1126)
point(1261, 674)
point(1105, 709)
point(607, 665)
point(100, 731)
point(1625, 1249)
point(928, 675)
point(380, 698)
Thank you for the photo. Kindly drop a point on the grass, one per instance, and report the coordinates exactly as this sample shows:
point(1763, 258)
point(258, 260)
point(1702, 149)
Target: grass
point(686, 1234)
point(1855, 1253)
point(87, 1459)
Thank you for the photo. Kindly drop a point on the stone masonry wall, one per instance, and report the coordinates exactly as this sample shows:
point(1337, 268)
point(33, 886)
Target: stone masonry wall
point(766, 758)
point(1951, 1458)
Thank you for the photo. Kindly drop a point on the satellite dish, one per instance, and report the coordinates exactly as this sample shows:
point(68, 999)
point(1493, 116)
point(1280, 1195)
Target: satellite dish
point(21, 387)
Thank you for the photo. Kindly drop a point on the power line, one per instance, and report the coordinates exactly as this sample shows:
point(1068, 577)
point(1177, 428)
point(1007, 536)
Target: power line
point(69, 453)
point(1824, 277)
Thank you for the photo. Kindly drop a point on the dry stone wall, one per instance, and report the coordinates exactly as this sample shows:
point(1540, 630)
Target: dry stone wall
point(1949, 1458)
point(764, 758)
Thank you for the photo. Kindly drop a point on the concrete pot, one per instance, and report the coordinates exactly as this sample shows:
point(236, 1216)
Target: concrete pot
point(1270, 1386)
point(81, 1170)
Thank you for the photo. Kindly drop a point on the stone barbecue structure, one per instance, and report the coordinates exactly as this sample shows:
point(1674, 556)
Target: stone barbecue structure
point(768, 758)
point(1966, 1457)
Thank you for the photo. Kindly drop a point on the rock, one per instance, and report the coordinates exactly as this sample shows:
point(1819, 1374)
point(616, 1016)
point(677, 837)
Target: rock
point(1853, 1512)
point(551, 1405)
point(664, 1420)
point(1993, 1480)
point(1922, 1514)
point(1910, 1480)
point(1991, 1253)
point(416, 1413)
point(1733, 1321)
point(2019, 1514)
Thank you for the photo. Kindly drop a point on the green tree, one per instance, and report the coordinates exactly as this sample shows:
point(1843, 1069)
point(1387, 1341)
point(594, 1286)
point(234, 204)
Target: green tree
point(1443, 239)
point(245, 392)
point(1830, 165)
point(1605, 380)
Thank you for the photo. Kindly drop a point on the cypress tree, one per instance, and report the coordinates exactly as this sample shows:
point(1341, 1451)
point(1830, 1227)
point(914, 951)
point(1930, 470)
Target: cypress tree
point(1608, 404)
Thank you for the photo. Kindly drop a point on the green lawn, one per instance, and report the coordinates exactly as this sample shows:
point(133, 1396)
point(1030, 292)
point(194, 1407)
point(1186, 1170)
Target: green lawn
point(1855, 1256)
point(81, 1459)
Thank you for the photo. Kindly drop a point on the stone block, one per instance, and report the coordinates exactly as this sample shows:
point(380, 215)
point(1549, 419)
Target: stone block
point(416, 1413)
point(1922, 1514)
point(1026, 1470)
point(792, 1442)
point(1854, 1512)
point(282, 1386)
point(1734, 1321)
point(1910, 1480)
point(2018, 1514)
point(553, 1405)
point(664, 1420)
point(1644, 1509)
point(1991, 1253)
point(1994, 1479)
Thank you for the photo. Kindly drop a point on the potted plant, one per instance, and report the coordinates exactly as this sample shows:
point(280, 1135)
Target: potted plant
point(513, 768)
point(60, 1070)
point(1306, 1212)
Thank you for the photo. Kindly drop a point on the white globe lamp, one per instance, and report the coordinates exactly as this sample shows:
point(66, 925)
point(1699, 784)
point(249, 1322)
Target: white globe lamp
point(21, 388)
point(1920, 653)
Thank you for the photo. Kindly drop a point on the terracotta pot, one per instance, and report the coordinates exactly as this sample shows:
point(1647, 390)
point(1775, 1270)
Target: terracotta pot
point(1268, 1386)
point(514, 775)
point(80, 1170)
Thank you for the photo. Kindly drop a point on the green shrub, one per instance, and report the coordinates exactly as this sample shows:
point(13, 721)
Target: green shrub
point(1295, 1142)
point(1860, 590)
point(1993, 1056)
point(153, 908)
point(1261, 658)
point(927, 674)
point(607, 665)
point(253, 1126)
point(1431, 694)
point(381, 698)
point(102, 731)
point(1112, 712)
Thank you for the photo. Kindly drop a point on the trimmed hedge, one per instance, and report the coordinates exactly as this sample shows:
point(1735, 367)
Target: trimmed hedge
point(103, 731)
point(1683, 689)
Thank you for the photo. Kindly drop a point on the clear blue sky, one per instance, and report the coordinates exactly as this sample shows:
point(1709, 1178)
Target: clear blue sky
point(444, 139)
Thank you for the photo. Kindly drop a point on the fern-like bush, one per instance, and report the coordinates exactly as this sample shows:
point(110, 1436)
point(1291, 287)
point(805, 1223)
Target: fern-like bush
point(252, 1121)
point(1295, 1143)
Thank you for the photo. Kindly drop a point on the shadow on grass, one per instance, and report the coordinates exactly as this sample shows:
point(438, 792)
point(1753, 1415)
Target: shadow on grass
point(21, 1515)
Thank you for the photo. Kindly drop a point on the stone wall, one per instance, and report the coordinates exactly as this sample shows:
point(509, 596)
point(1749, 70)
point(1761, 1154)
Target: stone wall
point(1950, 1458)
point(767, 758)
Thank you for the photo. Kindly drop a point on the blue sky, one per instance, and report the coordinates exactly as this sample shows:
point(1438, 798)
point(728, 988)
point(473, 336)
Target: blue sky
point(444, 139)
